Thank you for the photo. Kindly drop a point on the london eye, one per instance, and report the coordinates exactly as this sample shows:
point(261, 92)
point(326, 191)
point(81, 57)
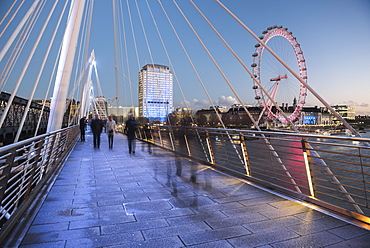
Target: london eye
point(277, 82)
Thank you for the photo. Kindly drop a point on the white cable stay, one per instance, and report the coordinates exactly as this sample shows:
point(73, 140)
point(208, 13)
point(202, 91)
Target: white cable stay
point(354, 132)
point(20, 78)
point(25, 113)
point(194, 69)
point(218, 68)
point(18, 48)
point(271, 148)
point(12, 17)
point(17, 29)
point(273, 151)
point(131, 86)
point(169, 59)
point(317, 96)
point(116, 56)
point(189, 59)
point(150, 53)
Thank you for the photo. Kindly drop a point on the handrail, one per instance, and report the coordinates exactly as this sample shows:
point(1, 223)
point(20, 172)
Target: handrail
point(26, 168)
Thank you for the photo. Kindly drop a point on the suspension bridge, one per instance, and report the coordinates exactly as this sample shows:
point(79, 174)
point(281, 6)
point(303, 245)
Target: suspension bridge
point(193, 202)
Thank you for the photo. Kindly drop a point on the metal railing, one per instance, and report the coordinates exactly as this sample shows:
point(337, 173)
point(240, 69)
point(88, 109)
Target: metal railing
point(26, 167)
point(331, 171)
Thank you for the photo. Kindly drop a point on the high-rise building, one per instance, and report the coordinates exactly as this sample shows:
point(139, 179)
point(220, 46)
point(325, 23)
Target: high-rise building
point(155, 92)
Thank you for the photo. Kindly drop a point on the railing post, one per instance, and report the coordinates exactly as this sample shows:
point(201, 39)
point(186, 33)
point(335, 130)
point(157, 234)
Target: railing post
point(34, 161)
point(170, 133)
point(245, 155)
point(6, 169)
point(187, 144)
point(211, 155)
point(140, 130)
point(307, 162)
point(160, 136)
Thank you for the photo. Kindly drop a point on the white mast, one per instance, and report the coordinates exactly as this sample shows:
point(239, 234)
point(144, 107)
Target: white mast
point(66, 59)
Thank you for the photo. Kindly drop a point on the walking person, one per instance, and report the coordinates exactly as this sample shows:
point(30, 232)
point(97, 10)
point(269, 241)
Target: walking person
point(96, 125)
point(130, 130)
point(83, 124)
point(110, 127)
point(148, 136)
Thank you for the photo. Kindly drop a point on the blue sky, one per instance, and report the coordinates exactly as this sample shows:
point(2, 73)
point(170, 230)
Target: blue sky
point(334, 36)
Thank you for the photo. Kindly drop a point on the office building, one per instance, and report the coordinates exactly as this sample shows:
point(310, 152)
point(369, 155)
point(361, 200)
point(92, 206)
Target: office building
point(155, 92)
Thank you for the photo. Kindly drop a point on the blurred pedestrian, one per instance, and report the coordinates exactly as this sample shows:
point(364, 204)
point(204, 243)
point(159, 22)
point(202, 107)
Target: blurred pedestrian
point(83, 124)
point(110, 127)
point(96, 125)
point(148, 136)
point(130, 129)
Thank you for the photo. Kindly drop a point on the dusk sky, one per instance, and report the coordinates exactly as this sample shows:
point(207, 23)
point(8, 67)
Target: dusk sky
point(334, 36)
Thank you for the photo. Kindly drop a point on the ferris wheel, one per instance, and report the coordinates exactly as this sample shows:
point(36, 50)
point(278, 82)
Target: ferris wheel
point(280, 84)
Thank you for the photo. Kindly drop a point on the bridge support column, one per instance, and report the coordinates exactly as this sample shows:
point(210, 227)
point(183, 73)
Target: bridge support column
point(69, 45)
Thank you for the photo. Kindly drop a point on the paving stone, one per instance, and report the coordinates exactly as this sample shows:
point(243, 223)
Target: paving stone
point(56, 244)
point(314, 226)
point(146, 207)
point(48, 227)
point(321, 239)
point(169, 215)
point(349, 232)
point(60, 235)
point(191, 218)
point(213, 235)
point(235, 220)
point(171, 242)
point(175, 230)
point(133, 226)
point(215, 244)
point(105, 240)
point(358, 242)
point(271, 224)
point(262, 238)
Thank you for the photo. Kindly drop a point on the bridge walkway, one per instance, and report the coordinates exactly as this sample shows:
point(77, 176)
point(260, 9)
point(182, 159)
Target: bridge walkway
point(109, 198)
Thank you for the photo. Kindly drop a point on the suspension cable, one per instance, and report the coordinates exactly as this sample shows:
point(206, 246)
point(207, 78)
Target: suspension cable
point(169, 59)
point(245, 67)
point(127, 61)
point(293, 73)
point(25, 113)
point(133, 35)
point(219, 69)
point(17, 29)
point(22, 39)
point(252, 119)
point(12, 17)
point(191, 62)
point(116, 55)
point(14, 92)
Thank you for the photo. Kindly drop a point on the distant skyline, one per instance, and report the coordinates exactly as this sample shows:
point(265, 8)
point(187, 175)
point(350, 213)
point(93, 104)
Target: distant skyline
point(334, 36)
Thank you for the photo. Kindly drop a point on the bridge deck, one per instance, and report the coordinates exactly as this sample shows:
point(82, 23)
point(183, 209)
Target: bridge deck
point(109, 198)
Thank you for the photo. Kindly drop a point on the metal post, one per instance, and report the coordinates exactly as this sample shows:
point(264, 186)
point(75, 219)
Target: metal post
point(307, 162)
point(160, 136)
point(187, 144)
point(245, 154)
point(211, 155)
point(171, 138)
